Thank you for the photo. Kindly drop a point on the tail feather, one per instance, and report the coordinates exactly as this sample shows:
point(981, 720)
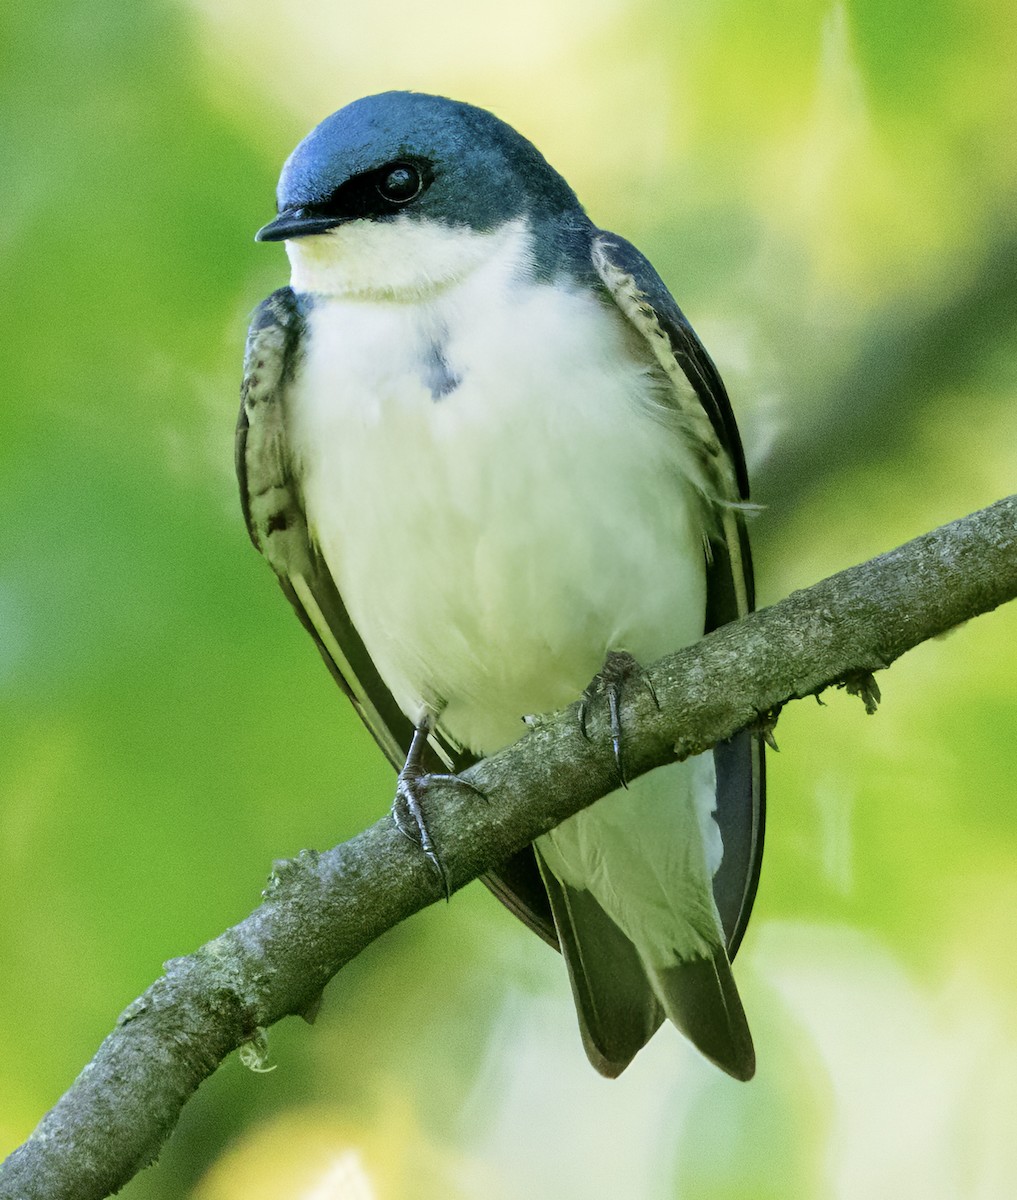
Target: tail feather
point(621, 1001)
point(618, 1012)
point(630, 888)
point(700, 998)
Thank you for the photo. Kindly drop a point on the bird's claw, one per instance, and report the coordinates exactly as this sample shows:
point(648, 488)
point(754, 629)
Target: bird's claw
point(619, 669)
point(408, 813)
point(765, 724)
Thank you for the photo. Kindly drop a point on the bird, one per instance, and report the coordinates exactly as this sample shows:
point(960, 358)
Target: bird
point(489, 460)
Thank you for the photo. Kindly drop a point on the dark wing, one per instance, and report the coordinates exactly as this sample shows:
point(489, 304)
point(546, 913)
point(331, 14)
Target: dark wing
point(275, 518)
point(640, 293)
point(620, 998)
point(273, 509)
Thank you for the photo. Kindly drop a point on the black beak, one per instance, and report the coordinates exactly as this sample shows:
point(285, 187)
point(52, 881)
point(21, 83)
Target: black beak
point(295, 223)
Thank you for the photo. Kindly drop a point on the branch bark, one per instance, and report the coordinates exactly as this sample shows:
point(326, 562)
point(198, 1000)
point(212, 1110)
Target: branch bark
point(321, 910)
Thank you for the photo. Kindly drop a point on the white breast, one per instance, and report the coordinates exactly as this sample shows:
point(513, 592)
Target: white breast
point(493, 491)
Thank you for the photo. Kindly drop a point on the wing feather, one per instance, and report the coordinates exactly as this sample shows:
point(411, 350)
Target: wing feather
point(273, 509)
point(701, 398)
point(621, 993)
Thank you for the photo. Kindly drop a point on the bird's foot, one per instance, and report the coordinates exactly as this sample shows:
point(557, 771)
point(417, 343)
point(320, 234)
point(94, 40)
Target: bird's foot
point(619, 669)
point(408, 813)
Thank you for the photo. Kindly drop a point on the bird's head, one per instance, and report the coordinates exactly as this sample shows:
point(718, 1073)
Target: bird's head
point(405, 192)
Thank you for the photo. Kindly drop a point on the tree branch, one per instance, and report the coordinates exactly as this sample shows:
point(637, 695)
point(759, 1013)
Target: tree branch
point(321, 910)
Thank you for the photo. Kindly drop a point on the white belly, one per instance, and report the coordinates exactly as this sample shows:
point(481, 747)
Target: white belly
point(493, 543)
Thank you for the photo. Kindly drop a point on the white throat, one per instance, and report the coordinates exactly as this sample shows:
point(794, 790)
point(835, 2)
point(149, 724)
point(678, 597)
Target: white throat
point(404, 259)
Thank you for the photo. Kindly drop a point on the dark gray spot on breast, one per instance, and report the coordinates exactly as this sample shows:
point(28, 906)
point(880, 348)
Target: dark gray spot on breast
point(439, 375)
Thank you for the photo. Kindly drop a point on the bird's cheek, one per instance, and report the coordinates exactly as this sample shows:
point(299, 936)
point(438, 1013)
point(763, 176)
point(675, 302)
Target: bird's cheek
point(316, 261)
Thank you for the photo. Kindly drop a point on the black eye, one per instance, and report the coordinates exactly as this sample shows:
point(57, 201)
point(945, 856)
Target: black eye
point(376, 194)
point(399, 184)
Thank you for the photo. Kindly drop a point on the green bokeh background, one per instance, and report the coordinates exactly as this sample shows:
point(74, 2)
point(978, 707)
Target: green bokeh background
point(829, 190)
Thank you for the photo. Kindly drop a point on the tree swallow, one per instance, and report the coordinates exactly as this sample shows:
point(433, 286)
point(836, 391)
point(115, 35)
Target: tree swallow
point(485, 454)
